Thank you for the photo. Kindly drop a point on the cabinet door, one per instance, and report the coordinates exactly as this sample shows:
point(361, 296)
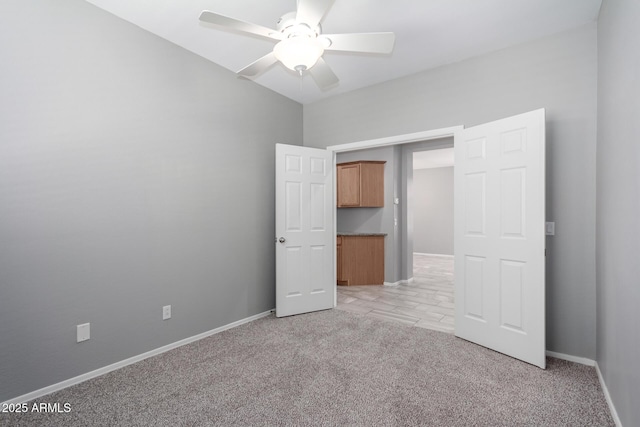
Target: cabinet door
point(348, 185)
point(362, 260)
point(372, 185)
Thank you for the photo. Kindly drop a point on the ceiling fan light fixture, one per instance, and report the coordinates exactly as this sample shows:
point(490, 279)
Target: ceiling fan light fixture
point(301, 43)
point(299, 53)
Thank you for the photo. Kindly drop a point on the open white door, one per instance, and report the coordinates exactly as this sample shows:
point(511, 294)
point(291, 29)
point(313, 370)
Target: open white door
point(499, 240)
point(305, 250)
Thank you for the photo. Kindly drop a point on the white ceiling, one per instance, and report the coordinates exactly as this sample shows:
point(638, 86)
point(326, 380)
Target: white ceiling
point(429, 33)
point(430, 159)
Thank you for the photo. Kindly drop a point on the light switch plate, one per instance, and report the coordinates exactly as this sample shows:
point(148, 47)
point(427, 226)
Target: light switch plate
point(83, 332)
point(550, 228)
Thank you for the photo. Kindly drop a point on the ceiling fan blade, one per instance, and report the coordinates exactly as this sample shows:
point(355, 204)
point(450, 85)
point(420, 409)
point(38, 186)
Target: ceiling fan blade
point(361, 42)
point(258, 66)
point(323, 75)
point(236, 24)
point(311, 12)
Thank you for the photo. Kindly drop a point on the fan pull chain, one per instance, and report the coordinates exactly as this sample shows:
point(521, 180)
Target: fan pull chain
point(301, 86)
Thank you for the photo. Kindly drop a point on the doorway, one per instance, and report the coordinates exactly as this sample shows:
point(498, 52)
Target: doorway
point(423, 294)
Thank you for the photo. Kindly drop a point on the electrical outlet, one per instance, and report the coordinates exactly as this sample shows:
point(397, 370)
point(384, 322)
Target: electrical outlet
point(166, 312)
point(83, 332)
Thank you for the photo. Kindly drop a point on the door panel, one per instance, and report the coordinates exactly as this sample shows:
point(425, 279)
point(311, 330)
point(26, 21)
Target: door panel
point(304, 230)
point(475, 214)
point(511, 287)
point(499, 236)
point(474, 267)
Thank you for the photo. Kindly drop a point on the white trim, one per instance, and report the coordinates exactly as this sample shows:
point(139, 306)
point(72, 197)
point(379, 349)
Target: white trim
point(438, 255)
point(399, 282)
point(570, 358)
point(398, 139)
point(106, 369)
point(607, 396)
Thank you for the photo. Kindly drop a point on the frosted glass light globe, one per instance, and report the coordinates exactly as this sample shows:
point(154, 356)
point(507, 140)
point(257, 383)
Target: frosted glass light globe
point(299, 53)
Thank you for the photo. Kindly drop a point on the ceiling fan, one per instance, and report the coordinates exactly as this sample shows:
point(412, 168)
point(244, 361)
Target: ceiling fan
point(301, 43)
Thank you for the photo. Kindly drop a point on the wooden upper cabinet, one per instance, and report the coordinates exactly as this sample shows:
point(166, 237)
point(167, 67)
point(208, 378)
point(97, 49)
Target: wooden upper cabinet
point(360, 184)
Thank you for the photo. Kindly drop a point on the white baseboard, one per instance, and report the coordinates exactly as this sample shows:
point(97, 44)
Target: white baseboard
point(570, 358)
point(607, 396)
point(438, 255)
point(101, 371)
point(399, 282)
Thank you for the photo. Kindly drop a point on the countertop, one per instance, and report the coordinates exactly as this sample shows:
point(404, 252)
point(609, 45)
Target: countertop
point(345, 233)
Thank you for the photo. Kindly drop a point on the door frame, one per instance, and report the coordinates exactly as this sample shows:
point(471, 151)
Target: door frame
point(428, 135)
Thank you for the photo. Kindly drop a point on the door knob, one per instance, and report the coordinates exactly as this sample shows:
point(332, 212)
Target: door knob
point(282, 240)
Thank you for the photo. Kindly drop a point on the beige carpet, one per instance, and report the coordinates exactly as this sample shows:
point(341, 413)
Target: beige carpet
point(331, 368)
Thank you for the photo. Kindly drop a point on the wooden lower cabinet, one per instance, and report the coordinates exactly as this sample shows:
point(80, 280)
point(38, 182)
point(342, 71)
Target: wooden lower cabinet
point(360, 260)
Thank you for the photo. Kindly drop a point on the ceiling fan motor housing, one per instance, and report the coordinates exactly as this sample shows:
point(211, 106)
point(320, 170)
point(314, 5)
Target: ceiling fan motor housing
point(289, 26)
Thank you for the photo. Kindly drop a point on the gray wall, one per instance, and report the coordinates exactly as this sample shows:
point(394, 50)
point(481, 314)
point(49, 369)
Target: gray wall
point(376, 220)
point(432, 196)
point(133, 174)
point(618, 205)
point(558, 73)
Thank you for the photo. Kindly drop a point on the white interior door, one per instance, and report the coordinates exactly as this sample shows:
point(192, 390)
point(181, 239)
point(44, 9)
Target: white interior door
point(305, 250)
point(499, 240)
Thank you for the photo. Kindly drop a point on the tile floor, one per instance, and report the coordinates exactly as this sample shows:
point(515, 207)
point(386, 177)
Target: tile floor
point(426, 302)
